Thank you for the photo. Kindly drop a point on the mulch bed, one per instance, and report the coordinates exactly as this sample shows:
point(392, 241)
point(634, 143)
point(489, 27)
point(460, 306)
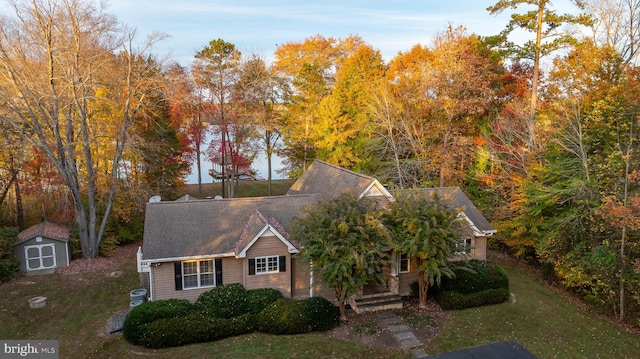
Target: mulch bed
point(383, 337)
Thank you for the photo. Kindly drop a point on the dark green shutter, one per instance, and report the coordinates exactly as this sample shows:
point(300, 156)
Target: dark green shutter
point(252, 266)
point(282, 263)
point(218, 271)
point(177, 268)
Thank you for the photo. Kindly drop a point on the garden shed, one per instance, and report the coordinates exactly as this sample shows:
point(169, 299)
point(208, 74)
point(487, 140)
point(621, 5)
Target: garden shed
point(42, 248)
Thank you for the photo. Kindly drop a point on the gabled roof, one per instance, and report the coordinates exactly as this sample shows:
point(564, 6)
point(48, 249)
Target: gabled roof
point(456, 199)
point(197, 228)
point(330, 181)
point(257, 226)
point(44, 229)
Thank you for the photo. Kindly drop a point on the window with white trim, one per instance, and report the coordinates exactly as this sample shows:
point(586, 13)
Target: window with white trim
point(266, 264)
point(41, 256)
point(403, 263)
point(463, 246)
point(198, 274)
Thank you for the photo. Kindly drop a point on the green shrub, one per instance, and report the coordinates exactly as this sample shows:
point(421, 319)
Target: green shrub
point(453, 301)
point(135, 324)
point(322, 315)
point(284, 316)
point(9, 263)
point(476, 277)
point(260, 298)
point(225, 301)
point(195, 327)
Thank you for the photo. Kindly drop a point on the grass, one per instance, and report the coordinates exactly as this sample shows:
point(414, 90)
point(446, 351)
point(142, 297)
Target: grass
point(365, 328)
point(545, 323)
point(80, 305)
point(416, 320)
point(245, 188)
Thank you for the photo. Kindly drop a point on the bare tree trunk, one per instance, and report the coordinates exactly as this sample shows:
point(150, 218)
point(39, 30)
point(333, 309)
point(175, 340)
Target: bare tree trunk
point(19, 207)
point(534, 81)
point(269, 152)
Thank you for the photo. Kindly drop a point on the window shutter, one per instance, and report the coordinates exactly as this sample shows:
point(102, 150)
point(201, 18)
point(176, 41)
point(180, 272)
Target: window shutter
point(218, 271)
point(252, 266)
point(282, 264)
point(177, 268)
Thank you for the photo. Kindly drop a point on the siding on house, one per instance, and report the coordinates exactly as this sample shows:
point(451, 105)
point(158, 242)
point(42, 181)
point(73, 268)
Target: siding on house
point(263, 247)
point(405, 280)
point(302, 282)
point(479, 248)
point(163, 280)
point(300, 278)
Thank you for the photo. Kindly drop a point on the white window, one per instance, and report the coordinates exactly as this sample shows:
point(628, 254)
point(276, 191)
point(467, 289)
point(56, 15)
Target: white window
point(197, 274)
point(463, 246)
point(42, 256)
point(267, 265)
point(403, 263)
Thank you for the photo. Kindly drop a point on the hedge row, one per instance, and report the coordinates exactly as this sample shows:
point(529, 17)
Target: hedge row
point(476, 276)
point(136, 322)
point(226, 311)
point(290, 316)
point(195, 327)
point(454, 300)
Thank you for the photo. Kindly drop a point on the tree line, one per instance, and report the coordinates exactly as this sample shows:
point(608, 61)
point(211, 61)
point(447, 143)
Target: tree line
point(542, 134)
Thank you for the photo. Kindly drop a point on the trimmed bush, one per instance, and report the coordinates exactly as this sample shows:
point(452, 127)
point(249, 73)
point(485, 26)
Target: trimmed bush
point(322, 315)
point(476, 277)
point(284, 316)
point(135, 324)
point(225, 301)
point(260, 298)
point(453, 301)
point(195, 327)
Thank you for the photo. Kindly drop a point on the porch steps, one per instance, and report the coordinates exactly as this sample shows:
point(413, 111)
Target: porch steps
point(376, 302)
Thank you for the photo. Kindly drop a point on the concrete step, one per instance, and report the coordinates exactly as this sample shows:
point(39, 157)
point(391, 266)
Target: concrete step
point(379, 302)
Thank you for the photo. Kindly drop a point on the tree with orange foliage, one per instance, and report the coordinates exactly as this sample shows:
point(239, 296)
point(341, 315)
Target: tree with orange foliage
point(50, 97)
point(445, 91)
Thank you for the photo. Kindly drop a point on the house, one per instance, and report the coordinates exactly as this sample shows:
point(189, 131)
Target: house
point(190, 246)
point(42, 248)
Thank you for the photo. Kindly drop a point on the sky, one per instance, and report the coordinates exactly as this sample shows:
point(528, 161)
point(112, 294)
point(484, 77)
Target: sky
point(255, 26)
point(259, 26)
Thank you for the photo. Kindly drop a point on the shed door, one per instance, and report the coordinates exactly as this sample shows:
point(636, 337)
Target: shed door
point(42, 256)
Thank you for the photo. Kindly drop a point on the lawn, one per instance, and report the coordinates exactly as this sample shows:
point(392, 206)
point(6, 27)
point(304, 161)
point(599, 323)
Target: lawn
point(80, 303)
point(546, 323)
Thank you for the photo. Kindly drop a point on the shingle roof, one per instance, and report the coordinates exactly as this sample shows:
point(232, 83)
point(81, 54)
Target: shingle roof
point(213, 227)
point(330, 181)
point(44, 229)
point(455, 198)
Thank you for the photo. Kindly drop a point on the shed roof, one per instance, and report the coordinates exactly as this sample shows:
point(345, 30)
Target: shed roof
point(214, 227)
point(44, 229)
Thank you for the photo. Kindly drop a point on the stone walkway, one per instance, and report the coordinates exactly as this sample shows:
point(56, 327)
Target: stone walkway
point(402, 333)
